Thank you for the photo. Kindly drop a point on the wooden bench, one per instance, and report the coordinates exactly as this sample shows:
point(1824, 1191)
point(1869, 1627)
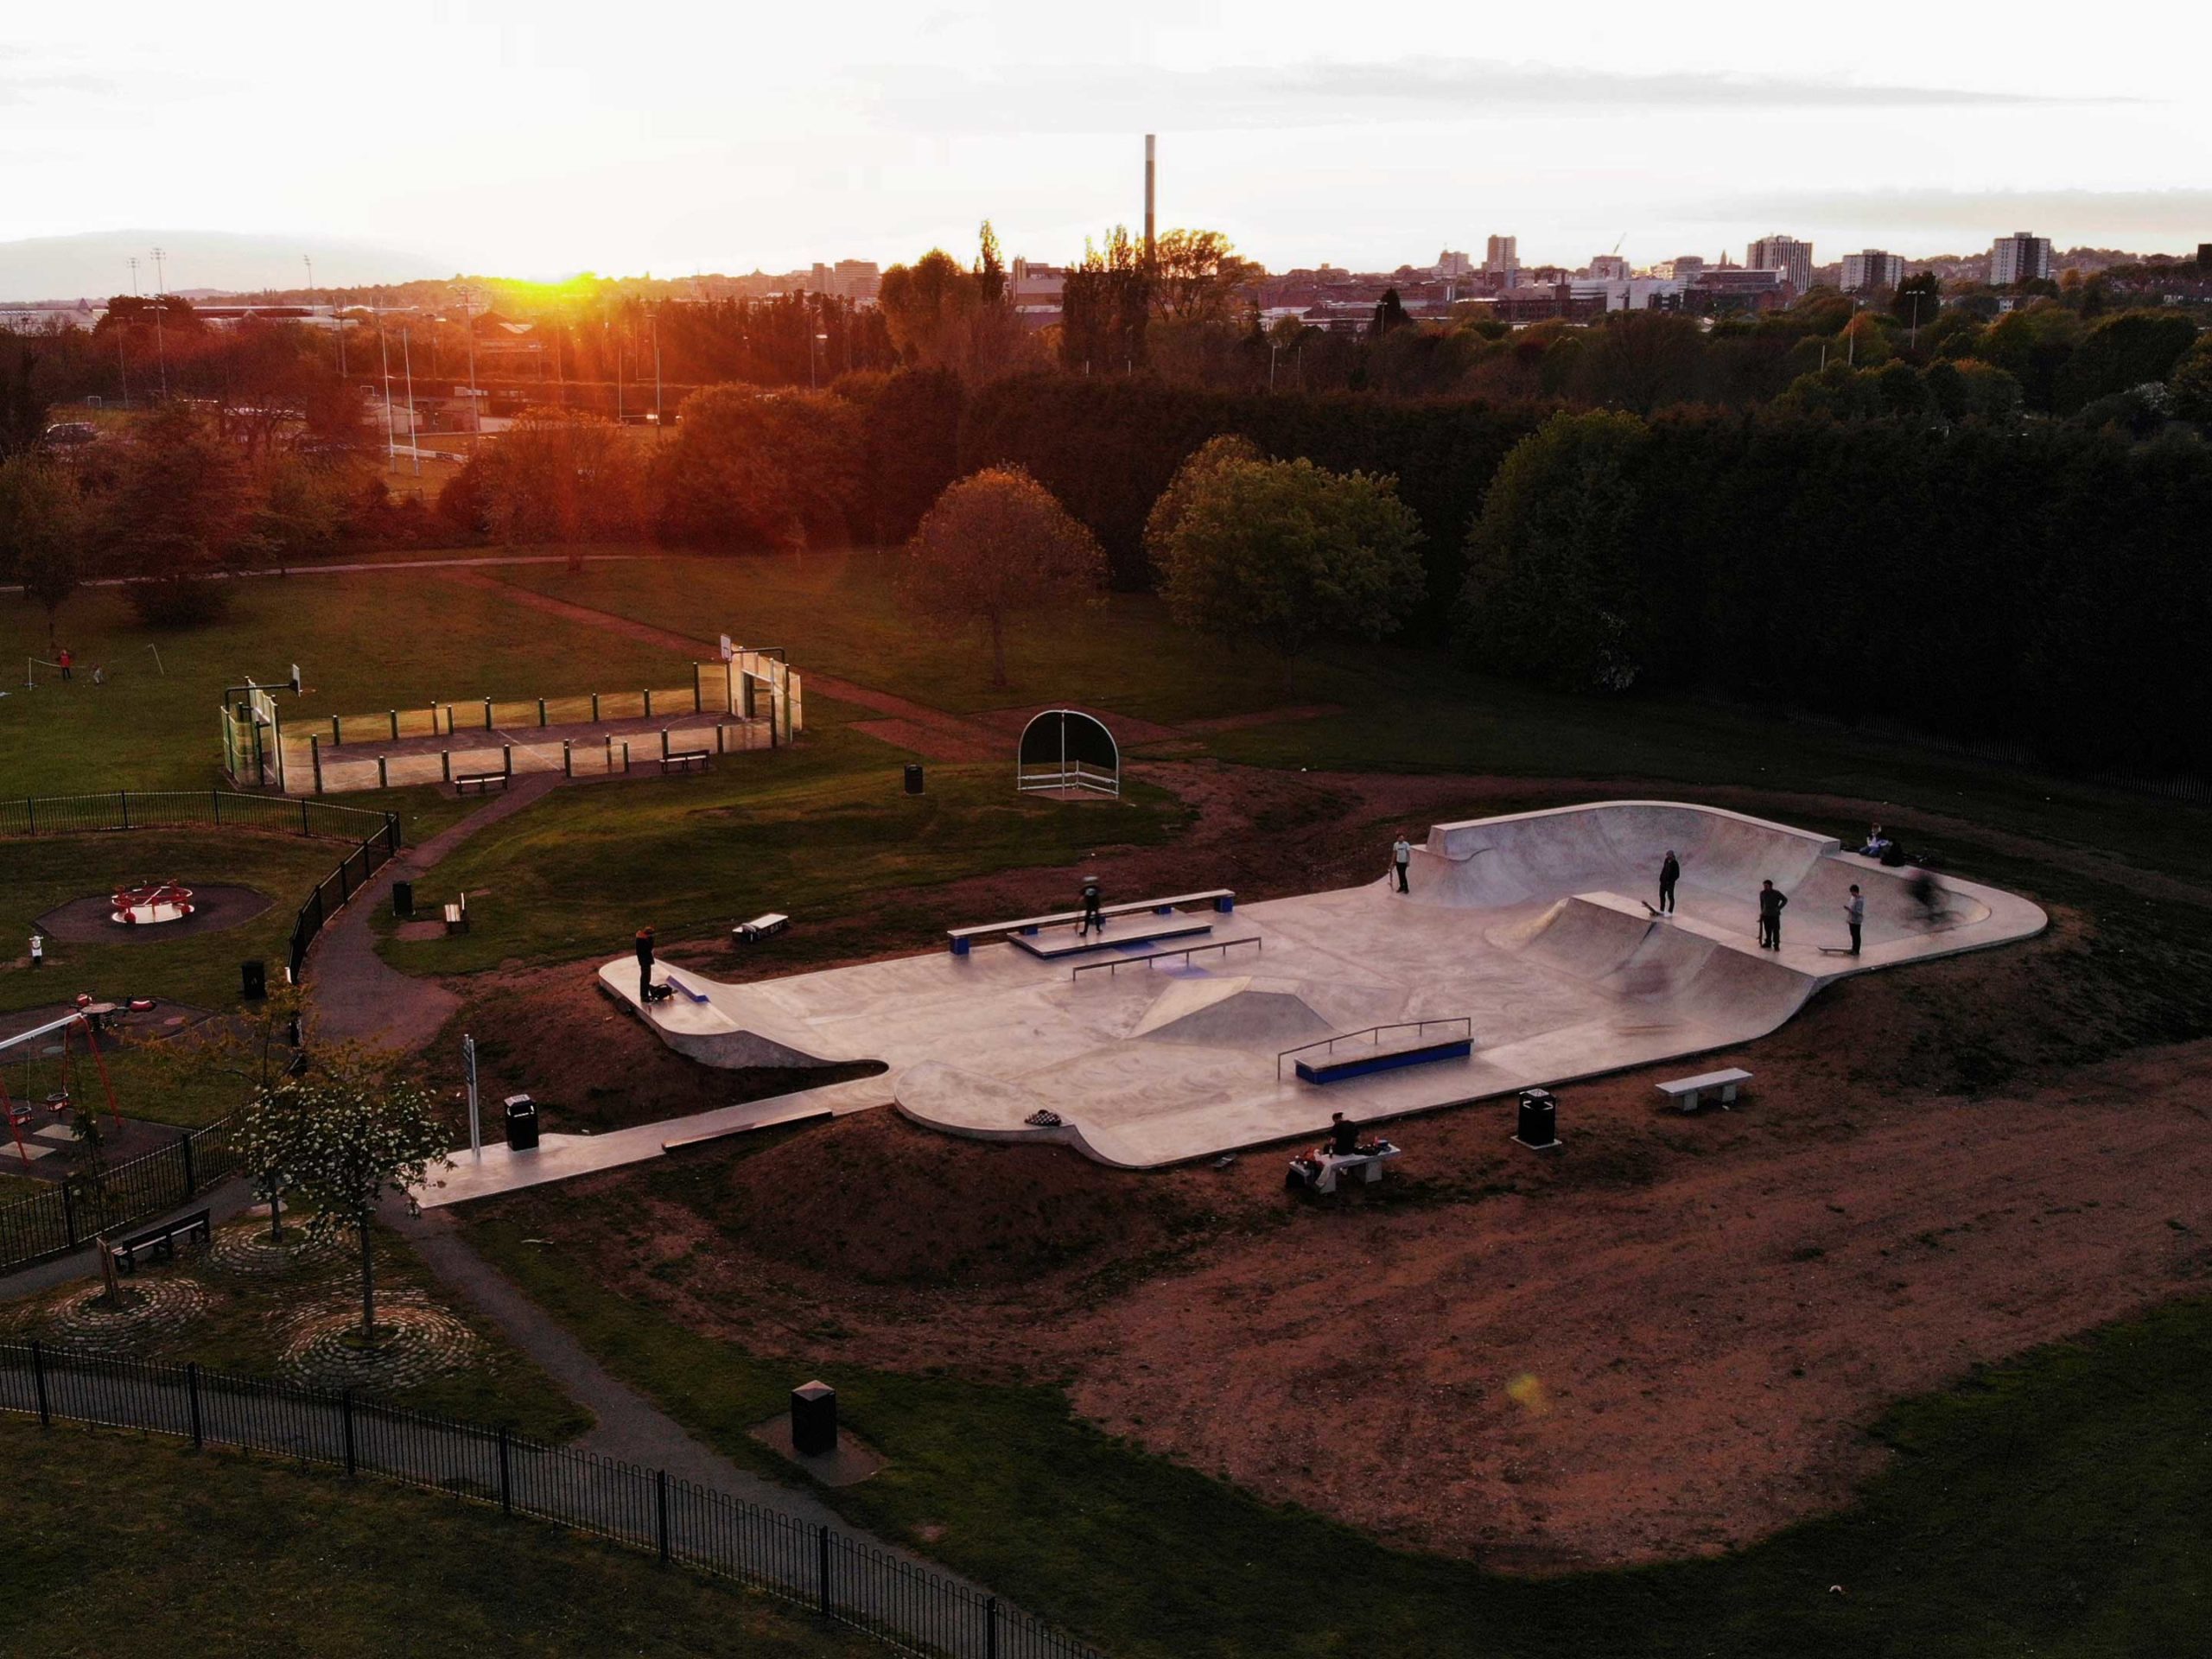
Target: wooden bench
point(456, 915)
point(687, 760)
point(1223, 900)
point(1689, 1093)
point(161, 1241)
point(481, 782)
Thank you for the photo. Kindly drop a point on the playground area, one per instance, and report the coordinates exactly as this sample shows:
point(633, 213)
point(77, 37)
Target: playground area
point(1181, 1029)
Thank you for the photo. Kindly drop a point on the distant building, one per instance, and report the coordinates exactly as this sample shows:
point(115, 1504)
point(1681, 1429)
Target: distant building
point(1035, 292)
point(2020, 257)
point(1683, 268)
point(1786, 254)
point(1451, 264)
point(1541, 303)
point(1608, 268)
point(1502, 260)
point(1871, 271)
point(1726, 289)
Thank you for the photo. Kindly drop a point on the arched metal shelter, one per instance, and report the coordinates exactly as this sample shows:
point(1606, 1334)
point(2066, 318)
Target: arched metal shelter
point(1065, 748)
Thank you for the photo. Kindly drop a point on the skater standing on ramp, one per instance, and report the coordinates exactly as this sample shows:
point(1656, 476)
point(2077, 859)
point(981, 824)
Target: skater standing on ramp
point(1854, 915)
point(1771, 900)
point(1401, 853)
point(1670, 871)
point(1092, 917)
point(644, 964)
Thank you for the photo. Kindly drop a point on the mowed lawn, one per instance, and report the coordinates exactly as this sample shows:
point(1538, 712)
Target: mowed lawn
point(124, 1545)
point(818, 832)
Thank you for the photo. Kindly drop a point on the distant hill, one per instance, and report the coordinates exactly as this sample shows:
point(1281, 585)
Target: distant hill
point(95, 264)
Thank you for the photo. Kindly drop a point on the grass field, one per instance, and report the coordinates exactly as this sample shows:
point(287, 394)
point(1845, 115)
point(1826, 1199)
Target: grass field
point(814, 831)
point(124, 1545)
point(2052, 1507)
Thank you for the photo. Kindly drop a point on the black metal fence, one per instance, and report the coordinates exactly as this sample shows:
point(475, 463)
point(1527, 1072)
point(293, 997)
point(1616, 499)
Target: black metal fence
point(847, 1580)
point(69, 1214)
point(376, 849)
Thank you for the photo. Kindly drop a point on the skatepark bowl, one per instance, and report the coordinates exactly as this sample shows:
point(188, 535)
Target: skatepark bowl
point(1533, 928)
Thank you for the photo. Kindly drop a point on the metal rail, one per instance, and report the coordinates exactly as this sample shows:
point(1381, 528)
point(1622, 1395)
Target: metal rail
point(1419, 1027)
point(1184, 952)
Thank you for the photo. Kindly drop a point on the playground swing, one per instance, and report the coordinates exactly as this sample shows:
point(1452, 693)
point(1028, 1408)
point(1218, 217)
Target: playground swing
point(18, 1106)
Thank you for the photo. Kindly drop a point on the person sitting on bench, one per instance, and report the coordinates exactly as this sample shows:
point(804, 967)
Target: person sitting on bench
point(1092, 916)
point(1344, 1136)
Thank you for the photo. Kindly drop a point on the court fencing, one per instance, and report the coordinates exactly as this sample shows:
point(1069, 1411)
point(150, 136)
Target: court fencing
point(71, 1213)
point(845, 1579)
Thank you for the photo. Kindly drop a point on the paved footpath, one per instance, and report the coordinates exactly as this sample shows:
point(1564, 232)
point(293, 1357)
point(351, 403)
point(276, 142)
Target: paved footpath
point(353, 995)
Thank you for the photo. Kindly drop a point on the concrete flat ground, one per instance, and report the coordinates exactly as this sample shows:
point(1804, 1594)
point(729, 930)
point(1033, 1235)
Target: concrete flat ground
point(1532, 929)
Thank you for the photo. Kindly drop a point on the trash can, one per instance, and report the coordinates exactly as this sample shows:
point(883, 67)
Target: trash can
point(403, 899)
point(913, 779)
point(253, 980)
point(814, 1418)
point(1539, 1125)
point(522, 1124)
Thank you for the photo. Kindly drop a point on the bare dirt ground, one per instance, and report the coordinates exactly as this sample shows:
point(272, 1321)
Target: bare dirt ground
point(1668, 1338)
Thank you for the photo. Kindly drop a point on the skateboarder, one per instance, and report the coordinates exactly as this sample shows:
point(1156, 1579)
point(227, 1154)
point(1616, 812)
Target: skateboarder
point(1670, 871)
point(1092, 916)
point(644, 964)
point(1854, 915)
point(1771, 900)
point(1401, 853)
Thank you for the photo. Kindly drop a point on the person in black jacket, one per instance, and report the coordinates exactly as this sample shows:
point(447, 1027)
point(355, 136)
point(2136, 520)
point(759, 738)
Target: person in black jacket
point(1670, 871)
point(644, 964)
point(1344, 1135)
point(1771, 900)
point(1092, 916)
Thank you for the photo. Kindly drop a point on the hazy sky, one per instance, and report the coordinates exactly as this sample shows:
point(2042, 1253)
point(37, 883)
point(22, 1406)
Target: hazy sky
point(543, 139)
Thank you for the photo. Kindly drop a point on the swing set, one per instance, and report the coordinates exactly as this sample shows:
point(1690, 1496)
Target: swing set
point(18, 1105)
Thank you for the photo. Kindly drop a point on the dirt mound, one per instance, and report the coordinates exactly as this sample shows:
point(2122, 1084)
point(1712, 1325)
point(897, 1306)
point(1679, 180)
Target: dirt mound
point(874, 1197)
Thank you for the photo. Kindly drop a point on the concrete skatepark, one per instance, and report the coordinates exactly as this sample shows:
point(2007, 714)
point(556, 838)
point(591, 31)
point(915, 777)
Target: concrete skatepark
point(1532, 929)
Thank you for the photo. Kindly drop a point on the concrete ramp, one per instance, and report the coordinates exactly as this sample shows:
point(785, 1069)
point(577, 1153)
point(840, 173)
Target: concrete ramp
point(1235, 1012)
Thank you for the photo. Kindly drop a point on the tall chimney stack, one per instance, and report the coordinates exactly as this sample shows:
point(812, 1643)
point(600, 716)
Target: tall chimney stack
point(1151, 173)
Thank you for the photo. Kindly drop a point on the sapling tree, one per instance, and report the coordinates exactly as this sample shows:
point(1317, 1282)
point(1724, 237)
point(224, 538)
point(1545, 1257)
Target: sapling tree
point(996, 545)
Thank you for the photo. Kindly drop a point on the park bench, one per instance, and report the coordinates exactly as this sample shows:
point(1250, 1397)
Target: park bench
point(1320, 1170)
point(1223, 900)
point(686, 760)
point(160, 1240)
point(1688, 1093)
point(456, 915)
point(759, 927)
point(481, 782)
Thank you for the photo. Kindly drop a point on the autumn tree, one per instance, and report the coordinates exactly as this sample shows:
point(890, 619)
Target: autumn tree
point(179, 515)
point(561, 476)
point(779, 472)
point(995, 547)
point(1197, 276)
point(1284, 552)
point(344, 1135)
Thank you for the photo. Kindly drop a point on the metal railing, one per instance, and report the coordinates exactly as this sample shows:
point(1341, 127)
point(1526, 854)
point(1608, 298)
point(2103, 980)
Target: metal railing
point(71, 1214)
point(1222, 945)
point(182, 809)
point(333, 892)
point(848, 1581)
point(1419, 1027)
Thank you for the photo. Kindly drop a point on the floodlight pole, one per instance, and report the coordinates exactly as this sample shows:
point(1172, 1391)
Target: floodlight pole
point(413, 438)
point(390, 451)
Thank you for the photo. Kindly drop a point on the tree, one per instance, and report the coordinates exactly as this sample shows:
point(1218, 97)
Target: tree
point(41, 531)
point(1285, 552)
point(1197, 276)
point(1209, 458)
point(255, 1054)
point(559, 475)
point(344, 1135)
point(1105, 303)
point(1918, 301)
point(2120, 353)
point(1553, 589)
point(1389, 315)
point(22, 407)
point(179, 515)
point(922, 302)
point(750, 471)
point(2191, 382)
point(996, 545)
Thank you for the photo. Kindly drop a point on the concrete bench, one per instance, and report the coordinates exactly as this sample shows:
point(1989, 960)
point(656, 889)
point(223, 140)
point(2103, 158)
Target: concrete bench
point(456, 915)
point(481, 782)
point(1689, 1093)
point(161, 1242)
point(687, 760)
point(1223, 900)
point(759, 927)
point(1319, 1170)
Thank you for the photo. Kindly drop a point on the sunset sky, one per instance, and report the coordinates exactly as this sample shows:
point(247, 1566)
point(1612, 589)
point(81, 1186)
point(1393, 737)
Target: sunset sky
point(543, 139)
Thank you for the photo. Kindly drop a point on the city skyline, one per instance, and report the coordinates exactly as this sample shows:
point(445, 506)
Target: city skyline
point(1302, 154)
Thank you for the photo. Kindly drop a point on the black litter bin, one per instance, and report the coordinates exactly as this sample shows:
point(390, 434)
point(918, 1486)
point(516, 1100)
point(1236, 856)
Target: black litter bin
point(914, 779)
point(403, 899)
point(522, 1124)
point(253, 980)
point(1539, 1125)
point(814, 1418)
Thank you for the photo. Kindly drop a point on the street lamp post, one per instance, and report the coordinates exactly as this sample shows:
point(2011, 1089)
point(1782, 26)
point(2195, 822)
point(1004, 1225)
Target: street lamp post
point(813, 347)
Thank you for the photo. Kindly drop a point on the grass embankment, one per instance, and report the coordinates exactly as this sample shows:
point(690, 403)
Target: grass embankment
point(816, 831)
point(121, 1545)
point(244, 1322)
point(2053, 1506)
